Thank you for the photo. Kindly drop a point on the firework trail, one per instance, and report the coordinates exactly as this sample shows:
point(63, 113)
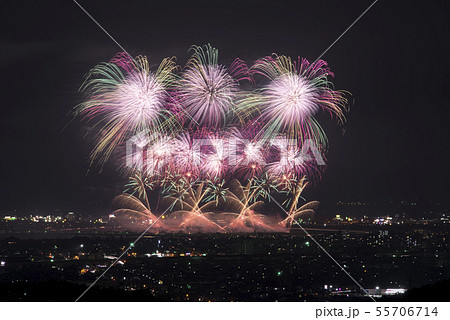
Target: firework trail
point(193, 212)
point(129, 205)
point(292, 203)
point(139, 184)
point(240, 199)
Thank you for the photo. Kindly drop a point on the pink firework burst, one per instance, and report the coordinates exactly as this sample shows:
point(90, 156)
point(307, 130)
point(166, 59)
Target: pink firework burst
point(187, 158)
point(291, 161)
point(215, 160)
point(159, 156)
point(207, 91)
point(297, 91)
point(125, 97)
point(247, 156)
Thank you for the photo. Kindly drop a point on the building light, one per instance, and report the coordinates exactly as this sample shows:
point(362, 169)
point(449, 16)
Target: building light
point(395, 291)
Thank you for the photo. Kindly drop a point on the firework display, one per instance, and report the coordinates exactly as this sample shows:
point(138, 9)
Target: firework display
point(211, 152)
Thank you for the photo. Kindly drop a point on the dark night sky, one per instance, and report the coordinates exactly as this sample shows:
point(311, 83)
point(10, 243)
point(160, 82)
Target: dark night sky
point(394, 61)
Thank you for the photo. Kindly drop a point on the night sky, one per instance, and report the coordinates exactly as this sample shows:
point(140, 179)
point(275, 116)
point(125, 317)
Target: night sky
point(394, 61)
